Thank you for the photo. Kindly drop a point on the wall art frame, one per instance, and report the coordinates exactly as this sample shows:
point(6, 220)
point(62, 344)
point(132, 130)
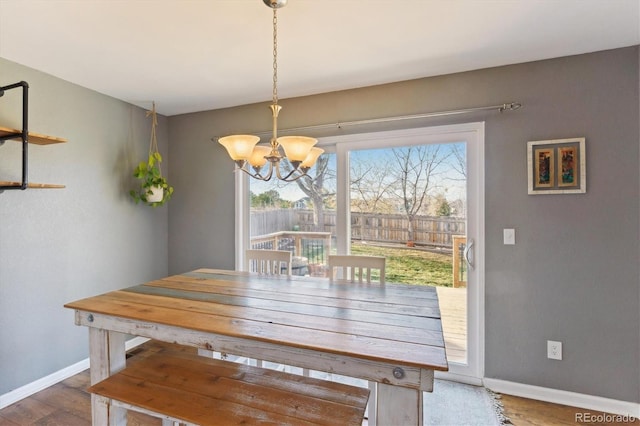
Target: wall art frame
point(557, 166)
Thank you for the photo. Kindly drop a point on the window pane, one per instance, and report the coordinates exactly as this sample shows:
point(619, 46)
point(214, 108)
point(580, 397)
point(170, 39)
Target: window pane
point(408, 204)
point(297, 216)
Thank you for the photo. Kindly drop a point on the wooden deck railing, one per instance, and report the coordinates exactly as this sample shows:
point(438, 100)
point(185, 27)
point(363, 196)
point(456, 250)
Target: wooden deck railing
point(310, 249)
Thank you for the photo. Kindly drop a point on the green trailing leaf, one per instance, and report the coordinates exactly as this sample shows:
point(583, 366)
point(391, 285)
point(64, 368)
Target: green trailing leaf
point(150, 176)
point(149, 172)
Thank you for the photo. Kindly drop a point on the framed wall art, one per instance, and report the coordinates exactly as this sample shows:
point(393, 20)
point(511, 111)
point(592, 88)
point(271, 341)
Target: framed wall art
point(556, 166)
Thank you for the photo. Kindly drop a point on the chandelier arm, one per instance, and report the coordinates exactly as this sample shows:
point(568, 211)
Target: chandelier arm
point(269, 174)
point(291, 176)
point(256, 174)
point(293, 179)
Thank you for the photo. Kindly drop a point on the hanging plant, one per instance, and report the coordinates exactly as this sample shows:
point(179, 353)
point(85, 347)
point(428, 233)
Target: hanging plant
point(154, 189)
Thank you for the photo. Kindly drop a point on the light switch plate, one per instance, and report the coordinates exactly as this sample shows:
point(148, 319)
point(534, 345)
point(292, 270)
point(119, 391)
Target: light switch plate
point(509, 236)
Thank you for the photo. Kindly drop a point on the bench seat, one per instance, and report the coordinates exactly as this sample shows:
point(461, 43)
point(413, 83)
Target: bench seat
point(187, 388)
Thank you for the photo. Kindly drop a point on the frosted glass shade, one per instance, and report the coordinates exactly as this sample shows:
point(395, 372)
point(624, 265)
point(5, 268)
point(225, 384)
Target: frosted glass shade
point(312, 157)
point(257, 156)
point(239, 147)
point(296, 148)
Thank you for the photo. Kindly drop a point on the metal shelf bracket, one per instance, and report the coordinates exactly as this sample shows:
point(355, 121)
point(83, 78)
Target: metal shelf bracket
point(23, 134)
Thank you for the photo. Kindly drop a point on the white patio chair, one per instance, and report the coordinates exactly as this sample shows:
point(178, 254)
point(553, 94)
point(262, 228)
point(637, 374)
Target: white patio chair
point(268, 262)
point(356, 268)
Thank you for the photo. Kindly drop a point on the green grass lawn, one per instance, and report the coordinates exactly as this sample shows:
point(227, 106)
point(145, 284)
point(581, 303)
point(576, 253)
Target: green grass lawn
point(411, 266)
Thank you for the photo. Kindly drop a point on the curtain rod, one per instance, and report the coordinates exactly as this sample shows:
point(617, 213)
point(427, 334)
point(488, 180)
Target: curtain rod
point(510, 106)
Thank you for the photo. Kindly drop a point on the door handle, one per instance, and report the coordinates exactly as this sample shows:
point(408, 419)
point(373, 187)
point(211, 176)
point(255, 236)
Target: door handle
point(467, 249)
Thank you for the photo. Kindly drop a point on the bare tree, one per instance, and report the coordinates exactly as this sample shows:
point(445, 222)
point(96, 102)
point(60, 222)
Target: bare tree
point(370, 186)
point(417, 167)
point(313, 186)
point(459, 163)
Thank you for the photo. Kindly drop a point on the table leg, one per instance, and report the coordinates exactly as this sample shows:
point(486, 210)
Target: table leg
point(398, 406)
point(106, 357)
point(372, 408)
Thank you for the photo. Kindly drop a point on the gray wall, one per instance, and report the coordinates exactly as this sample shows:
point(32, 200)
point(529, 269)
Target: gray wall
point(60, 245)
point(572, 276)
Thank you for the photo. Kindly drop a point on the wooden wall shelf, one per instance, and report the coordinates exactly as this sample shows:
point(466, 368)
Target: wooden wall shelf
point(32, 185)
point(26, 138)
point(35, 138)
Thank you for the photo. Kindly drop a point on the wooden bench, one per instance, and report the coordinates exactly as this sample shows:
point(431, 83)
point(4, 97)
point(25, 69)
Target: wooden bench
point(187, 388)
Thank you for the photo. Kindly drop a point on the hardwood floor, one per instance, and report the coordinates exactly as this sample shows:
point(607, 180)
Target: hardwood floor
point(68, 404)
point(527, 412)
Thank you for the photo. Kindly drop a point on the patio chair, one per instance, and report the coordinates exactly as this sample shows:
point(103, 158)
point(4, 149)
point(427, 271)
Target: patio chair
point(355, 268)
point(268, 262)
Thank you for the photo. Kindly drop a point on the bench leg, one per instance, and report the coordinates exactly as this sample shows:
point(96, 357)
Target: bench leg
point(106, 357)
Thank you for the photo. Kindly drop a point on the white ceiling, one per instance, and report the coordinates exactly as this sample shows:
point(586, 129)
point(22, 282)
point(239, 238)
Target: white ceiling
point(195, 55)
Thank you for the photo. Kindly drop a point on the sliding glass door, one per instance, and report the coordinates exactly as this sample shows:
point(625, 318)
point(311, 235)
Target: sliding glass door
point(414, 196)
point(296, 216)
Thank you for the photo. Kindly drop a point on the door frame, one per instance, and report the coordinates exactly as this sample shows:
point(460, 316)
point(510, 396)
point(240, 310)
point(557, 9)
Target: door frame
point(471, 133)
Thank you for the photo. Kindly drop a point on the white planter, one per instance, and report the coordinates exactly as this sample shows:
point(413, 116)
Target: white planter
point(157, 194)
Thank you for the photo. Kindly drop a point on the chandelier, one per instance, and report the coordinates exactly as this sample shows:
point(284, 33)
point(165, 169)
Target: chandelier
point(299, 151)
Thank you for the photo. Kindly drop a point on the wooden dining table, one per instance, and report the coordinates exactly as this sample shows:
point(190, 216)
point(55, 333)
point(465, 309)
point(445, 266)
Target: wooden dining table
point(390, 334)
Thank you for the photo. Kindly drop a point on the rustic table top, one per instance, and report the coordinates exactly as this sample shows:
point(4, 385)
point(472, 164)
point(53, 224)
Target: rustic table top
point(385, 323)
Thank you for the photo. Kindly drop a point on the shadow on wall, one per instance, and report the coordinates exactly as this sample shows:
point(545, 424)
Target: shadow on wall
point(127, 158)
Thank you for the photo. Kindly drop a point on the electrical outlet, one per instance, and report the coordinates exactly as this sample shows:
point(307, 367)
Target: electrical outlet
point(554, 350)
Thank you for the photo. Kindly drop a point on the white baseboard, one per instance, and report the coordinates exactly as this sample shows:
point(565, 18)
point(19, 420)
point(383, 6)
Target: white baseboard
point(43, 383)
point(460, 378)
point(590, 402)
point(50, 380)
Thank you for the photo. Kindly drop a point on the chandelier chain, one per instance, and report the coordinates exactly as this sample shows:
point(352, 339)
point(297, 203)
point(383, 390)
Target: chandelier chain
point(275, 56)
point(299, 151)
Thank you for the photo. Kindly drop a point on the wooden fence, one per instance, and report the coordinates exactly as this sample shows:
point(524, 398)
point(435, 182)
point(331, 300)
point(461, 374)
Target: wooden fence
point(387, 228)
point(268, 221)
